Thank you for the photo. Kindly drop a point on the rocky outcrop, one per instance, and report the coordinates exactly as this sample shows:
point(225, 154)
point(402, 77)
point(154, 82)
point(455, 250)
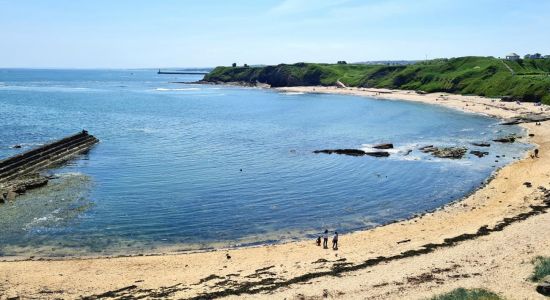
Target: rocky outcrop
point(531, 118)
point(507, 139)
point(21, 186)
point(479, 154)
point(350, 152)
point(378, 154)
point(383, 146)
point(20, 173)
point(445, 152)
point(353, 152)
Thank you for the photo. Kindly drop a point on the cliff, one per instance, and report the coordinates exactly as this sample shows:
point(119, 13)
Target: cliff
point(524, 80)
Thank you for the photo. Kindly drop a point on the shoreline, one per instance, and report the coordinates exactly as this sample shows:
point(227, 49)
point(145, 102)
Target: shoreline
point(260, 268)
point(496, 108)
point(172, 250)
point(245, 243)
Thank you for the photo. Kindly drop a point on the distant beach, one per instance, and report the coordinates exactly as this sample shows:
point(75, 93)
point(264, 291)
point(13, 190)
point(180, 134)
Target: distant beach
point(485, 240)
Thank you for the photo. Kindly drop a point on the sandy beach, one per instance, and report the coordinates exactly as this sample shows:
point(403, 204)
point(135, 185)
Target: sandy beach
point(486, 240)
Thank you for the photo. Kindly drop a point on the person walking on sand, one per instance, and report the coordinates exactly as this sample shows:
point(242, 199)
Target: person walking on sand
point(325, 239)
point(537, 153)
point(335, 241)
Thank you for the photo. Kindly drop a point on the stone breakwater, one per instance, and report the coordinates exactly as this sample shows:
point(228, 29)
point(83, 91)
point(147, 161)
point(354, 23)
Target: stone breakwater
point(21, 172)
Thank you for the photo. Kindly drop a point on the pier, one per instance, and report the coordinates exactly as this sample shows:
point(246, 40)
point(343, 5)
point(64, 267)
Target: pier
point(183, 72)
point(20, 173)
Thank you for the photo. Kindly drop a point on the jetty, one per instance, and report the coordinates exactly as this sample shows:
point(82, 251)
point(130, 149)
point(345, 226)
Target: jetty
point(183, 72)
point(21, 172)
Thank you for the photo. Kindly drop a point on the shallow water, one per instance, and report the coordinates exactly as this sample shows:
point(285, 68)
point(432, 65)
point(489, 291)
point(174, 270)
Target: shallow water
point(167, 173)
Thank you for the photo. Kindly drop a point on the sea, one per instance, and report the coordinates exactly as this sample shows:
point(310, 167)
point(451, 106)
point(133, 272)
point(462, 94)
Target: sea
point(183, 166)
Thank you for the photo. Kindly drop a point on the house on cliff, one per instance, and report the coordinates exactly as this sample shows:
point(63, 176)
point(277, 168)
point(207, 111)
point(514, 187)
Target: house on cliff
point(512, 56)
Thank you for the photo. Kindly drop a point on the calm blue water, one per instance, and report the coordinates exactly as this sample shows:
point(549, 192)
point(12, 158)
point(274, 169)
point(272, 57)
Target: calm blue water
point(167, 171)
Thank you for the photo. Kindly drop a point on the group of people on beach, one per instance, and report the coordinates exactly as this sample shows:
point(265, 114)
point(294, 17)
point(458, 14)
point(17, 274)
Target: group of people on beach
point(325, 240)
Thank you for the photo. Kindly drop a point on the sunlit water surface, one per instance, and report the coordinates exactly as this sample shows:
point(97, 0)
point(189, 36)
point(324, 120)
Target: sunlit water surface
point(167, 173)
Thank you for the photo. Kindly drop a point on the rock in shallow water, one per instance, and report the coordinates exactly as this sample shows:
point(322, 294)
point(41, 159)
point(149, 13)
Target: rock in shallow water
point(383, 146)
point(482, 144)
point(508, 139)
point(353, 152)
point(445, 152)
point(378, 154)
point(479, 154)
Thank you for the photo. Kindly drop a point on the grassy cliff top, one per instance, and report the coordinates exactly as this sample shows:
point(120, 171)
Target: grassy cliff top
point(525, 80)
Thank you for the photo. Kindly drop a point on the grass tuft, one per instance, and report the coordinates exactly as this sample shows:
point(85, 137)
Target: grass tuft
point(468, 294)
point(542, 268)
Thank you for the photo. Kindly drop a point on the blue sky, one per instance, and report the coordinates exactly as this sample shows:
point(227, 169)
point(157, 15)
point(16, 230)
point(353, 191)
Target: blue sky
point(193, 33)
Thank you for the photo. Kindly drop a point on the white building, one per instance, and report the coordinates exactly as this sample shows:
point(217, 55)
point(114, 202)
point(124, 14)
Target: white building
point(512, 56)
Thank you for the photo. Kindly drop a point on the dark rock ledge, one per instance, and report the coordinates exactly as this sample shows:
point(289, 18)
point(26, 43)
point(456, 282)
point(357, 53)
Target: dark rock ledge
point(445, 152)
point(353, 152)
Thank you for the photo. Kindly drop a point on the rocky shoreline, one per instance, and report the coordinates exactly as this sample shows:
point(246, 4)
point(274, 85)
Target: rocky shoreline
point(22, 172)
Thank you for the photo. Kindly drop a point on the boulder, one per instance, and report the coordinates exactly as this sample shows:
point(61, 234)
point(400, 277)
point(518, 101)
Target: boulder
point(378, 154)
point(544, 288)
point(383, 146)
point(508, 139)
point(479, 154)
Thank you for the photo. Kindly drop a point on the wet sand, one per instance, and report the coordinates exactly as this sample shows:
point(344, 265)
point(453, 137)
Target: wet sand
point(485, 240)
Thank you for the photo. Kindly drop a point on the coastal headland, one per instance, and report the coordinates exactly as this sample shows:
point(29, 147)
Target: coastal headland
point(486, 240)
point(519, 80)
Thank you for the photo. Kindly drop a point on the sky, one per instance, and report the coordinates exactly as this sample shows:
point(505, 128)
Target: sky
point(207, 33)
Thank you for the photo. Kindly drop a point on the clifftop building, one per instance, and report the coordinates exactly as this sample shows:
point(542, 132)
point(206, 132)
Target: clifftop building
point(512, 56)
point(515, 56)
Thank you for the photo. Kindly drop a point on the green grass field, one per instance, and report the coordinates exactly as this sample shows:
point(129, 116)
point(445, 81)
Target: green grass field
point(483, 76)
